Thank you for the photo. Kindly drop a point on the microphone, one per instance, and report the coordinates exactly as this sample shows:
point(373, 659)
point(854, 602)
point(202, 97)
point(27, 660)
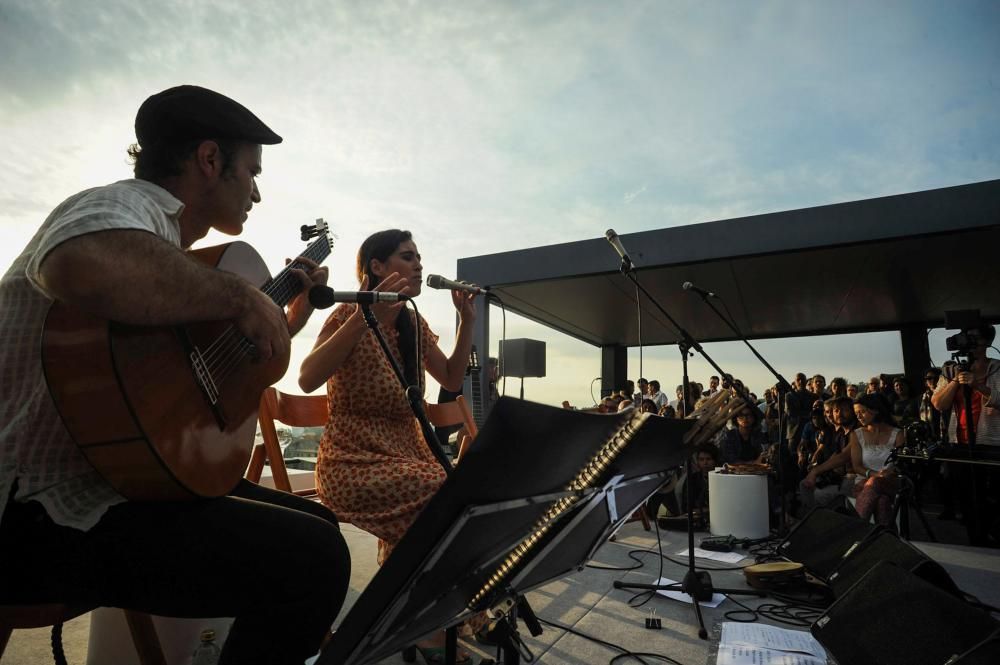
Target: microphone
point(322, 297)
point(617, 244)
point(439, 282)
point(688, 286)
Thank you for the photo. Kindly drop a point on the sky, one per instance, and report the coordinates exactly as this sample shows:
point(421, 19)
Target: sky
point(492, 126)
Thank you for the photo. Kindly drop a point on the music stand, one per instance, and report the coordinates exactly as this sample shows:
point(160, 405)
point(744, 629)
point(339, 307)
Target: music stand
point(478, 545)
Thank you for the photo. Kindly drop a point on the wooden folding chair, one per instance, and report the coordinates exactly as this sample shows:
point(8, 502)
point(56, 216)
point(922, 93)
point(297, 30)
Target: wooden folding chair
point(140, 624)
point(294, 411)
point(446, 414)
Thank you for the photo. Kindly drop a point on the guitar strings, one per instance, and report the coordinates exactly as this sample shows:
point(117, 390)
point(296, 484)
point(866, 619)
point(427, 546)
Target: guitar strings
point(278, 289)
point(222, 355)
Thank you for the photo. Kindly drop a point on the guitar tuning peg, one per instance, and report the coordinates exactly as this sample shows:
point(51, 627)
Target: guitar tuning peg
point(307, 231)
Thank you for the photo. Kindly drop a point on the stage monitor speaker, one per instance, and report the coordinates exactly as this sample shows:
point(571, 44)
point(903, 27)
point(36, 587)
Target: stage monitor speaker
point(522, 357)
point(822, 539)
point(885, 546)
point(893, 617)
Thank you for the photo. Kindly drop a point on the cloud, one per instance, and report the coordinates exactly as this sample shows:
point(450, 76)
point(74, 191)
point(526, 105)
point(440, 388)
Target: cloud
point(485, 127)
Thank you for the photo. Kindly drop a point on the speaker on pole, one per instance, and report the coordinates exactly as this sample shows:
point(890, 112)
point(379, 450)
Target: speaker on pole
point(522, 357)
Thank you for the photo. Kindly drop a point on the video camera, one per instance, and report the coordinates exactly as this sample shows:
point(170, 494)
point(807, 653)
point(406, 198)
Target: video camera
point(962, 343)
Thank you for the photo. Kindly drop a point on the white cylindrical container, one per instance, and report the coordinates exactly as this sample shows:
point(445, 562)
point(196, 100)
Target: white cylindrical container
point(737, 505)
point(111, 641)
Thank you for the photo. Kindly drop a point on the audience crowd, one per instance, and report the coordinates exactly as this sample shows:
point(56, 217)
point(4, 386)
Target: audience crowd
point(839, 441)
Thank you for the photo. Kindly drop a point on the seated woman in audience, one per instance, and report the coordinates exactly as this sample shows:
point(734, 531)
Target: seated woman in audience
point(746, 442)
point(876, 482)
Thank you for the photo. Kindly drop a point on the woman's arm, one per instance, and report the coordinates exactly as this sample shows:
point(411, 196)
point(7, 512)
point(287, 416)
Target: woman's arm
point(336, 341)
point(334, 345)
point(450, 371)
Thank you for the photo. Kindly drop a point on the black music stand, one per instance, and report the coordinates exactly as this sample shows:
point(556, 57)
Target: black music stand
point(478, 546)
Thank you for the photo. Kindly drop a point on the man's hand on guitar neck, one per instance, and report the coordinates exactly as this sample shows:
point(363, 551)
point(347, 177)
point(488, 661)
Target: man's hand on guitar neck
point(264, 324)
point(299, 309)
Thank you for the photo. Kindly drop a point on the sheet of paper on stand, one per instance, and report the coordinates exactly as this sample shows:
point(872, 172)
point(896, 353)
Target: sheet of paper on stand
point(725, 557)
point(717, 598)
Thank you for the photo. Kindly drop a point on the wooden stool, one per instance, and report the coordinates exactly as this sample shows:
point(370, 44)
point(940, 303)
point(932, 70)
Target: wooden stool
point(13, 617)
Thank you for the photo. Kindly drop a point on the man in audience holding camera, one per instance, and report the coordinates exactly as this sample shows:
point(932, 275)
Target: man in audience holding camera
point(975, 378)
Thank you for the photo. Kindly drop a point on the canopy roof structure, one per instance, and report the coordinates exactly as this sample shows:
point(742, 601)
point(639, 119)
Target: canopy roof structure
point(878, 264)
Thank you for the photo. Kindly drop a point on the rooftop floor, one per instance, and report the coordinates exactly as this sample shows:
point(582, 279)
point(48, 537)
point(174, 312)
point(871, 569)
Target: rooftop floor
point(587, 601)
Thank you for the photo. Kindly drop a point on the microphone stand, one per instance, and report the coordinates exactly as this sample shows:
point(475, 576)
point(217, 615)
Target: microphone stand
point(697, 584)
point(413, 395)
point(783, 388)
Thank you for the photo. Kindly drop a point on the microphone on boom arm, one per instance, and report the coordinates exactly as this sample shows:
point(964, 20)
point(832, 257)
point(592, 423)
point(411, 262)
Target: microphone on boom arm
point(439, 282)
point(321, 296)
point(688, 286)
point(617, 244)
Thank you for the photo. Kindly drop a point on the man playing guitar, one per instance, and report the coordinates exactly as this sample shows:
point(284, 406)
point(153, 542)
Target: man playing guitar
point(119, 253)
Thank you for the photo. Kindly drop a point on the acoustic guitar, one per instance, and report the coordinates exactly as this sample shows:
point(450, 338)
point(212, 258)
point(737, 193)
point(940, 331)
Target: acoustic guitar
point(168, 413)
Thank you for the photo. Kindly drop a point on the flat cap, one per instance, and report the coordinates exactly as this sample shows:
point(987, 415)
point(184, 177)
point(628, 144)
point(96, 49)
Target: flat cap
point(188, 112)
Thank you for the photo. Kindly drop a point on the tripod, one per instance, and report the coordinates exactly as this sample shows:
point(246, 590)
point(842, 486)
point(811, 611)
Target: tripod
point(697, 583)
point(904, 501)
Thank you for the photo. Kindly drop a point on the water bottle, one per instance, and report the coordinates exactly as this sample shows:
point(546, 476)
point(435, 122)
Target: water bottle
point(207, 652)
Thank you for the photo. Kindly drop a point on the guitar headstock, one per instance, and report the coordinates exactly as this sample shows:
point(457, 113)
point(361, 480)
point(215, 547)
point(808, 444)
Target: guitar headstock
point(320, 228)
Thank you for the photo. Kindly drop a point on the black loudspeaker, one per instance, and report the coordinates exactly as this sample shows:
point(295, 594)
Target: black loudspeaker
point(893, 617)
point(823, 539)
point(522, 357)
point(885, 546)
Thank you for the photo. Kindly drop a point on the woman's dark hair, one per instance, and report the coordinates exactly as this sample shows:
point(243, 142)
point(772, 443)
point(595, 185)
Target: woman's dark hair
point(380, 246)
point(156, 161)
point(877, 404)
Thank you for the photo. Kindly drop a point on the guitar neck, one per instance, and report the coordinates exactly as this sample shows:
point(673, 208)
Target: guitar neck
point(286, 284)
point(477, 399)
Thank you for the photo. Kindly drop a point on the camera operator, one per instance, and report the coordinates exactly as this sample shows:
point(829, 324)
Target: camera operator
point(982, 376)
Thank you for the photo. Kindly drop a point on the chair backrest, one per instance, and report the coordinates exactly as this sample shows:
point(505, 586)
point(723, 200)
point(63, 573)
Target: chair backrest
point(292, 410)
point(455, 413)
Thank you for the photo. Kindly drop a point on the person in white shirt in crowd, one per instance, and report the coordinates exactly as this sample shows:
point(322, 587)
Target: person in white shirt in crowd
point(654, 394)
